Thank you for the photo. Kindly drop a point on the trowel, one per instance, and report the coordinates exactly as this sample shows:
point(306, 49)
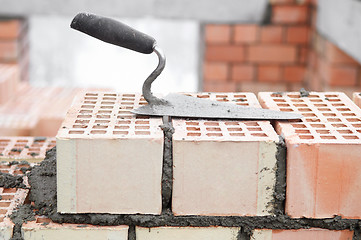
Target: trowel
point(174, 105)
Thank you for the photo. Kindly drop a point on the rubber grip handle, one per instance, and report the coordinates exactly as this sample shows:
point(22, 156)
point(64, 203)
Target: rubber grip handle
point(114, 32)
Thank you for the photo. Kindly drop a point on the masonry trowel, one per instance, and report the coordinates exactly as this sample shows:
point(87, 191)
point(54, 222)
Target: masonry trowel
point(175, 105)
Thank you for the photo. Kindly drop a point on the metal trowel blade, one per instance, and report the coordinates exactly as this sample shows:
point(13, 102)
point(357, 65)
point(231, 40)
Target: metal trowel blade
point(191, 107)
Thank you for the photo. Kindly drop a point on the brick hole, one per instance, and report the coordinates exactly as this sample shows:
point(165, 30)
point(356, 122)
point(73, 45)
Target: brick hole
point(334, 100)
point(286, 109)
point(102, 121)
point(329, 137)
point(127, 103)
point(251, 124)
point(237, 134)
point(358, 130)
point(259, 134)
point(315, 100)
point(343, 109)
point(232, 123)
point(331, 95)
point(143, 103)
point(90, 102)
point(102, 116)
point(43, 220)
point(221, 96)
point(296, 100)
point(80, 126)
point(34, 149)
point(98, 131)
point(9, 190)
point(89, 98)
point(91, 94)
point(11, 153)
point(312, 120)
point(348, 114)
point(123, 122)
point(100, 126)
point(211, 123)
point(85, 111)
point(300, 105)
point(279, 100)
point(141, 122)
point(4, 141)
point(329, 114)
point(5, 171)
point(242, 104)
point(18, 172)
point(120, 132)
point(110, 94)
point(193, 129)
point(214, 134)
point(141, 117)
point(240, 96)
point(106, 107)
point(21, 141)
point(313, 96)
point(214, 129)
point(302, 131)
point(76, 132)
point(283, 105)
point(293, 95)
point(324, 109)
point(84, 116)
point(109, 98)
point(346, 131)
point(234, 129)
point(323, 131)
point(142, 132)
point(5, 204)
point(276, 95)
point(87, 106)
point(193, 134)
point(142, 127)
point(320, 105)
point(3, 211)
point(350, 137)
point(7, 196)
point(129, 95)
point(192, 123)
point(107, 103)
point(124, 112)
point(334, 120)
point(20, 145)
point(82, 121)
point(338, 105)
point(353, 119)
point(356, 125)
point(202, 96)
point(50, 146)
point(254, 129)
point(222, 100)
point(309, 115)
point(305, 136)
point(121, 127)
point(104, 112)
point(339, 125)
point(4, 166)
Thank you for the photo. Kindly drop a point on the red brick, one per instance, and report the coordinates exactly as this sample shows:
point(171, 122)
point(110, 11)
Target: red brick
point(215, 71)
point(272, 34)
point(272, 54)
point(9, 50)
point(357, 98)
point(323, 152)
point(246, 33)
point(303, 54)
point(341, 75)
point(216, 86)
point(242, 72)
point(10, 29)
point(269, 73)
point(290, 14)
point(256, 87)
point(335, 55)
point(225, 53)
point(217, 34)
point(302, 234)
point(298, 34)
point(294, 73)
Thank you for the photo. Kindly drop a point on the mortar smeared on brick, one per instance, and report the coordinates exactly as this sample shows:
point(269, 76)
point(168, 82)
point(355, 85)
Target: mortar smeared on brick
point(21, 215)
point(280, 187)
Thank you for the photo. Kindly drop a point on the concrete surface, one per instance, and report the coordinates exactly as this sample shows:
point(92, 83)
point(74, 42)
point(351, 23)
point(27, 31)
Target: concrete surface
point(339, 21)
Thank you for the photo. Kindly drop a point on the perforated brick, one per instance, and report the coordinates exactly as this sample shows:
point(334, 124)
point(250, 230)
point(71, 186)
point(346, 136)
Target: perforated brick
point(323, 149)
point(10, 199)
point(43, 228)
point(189, 233)
point(104, 150)
point(301, 234)
point(357, 99)
point(224, 167)
point(31, 149)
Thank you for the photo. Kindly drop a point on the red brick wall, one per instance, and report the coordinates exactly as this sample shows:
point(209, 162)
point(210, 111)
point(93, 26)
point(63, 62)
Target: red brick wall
point(281, 55)
point(14, 44)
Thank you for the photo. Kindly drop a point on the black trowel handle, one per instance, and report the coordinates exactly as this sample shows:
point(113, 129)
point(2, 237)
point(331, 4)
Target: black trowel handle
point(114, 32)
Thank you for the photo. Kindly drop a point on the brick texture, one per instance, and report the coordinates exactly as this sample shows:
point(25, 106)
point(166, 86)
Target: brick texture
point(224, 167)
point(317, 170)
point(101, 126)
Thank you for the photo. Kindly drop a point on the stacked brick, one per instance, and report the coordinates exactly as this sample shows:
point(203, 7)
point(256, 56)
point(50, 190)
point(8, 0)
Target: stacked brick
point(14, 44)
point(248, 57)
